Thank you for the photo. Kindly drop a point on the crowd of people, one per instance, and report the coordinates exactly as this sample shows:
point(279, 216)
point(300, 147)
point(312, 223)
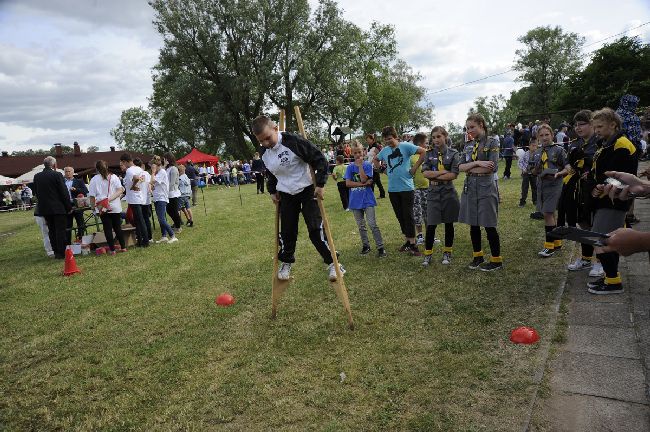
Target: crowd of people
point(566, 171)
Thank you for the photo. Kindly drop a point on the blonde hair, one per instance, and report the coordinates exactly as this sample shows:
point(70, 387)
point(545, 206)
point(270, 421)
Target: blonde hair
point(545, 126)
point(356, 145)
point(156, 160)
point(608, 115)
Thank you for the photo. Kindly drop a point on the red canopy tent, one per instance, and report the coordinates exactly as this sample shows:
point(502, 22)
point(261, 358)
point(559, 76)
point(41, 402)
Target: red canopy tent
point(198, 158)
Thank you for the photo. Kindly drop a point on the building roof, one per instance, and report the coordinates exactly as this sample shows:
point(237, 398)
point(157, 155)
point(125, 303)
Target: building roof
point(84, 163)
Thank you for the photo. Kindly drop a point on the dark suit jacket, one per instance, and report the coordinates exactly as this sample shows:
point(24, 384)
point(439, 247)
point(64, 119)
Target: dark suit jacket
point(53, 197)
point(79, 186)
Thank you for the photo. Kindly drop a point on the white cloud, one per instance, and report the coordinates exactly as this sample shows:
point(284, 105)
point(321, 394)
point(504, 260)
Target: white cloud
point(69, 67)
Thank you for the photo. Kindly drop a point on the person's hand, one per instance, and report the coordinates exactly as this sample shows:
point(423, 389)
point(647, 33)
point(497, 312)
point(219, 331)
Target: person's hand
point(486, 164)
point(645, 173)
point(625, 241)
point(319, 193)
point(633, 185)
point(275, 198)
point(598, 191)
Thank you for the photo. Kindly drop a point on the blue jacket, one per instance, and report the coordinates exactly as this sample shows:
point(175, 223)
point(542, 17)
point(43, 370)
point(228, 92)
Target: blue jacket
point(508, 145)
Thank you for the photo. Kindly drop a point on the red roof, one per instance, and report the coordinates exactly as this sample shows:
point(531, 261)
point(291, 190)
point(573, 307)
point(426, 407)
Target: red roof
point(84, 163)
point(199, 157)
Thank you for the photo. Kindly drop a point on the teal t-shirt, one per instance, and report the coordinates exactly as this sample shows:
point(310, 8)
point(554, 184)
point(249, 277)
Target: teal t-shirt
point(398, 161)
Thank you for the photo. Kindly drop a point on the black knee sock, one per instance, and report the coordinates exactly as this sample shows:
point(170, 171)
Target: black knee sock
point(493, 239)
point(587, 251)
point(449, 236)
point(430, 237)
point(475, 235)
point(609, 260)
point(548, 244)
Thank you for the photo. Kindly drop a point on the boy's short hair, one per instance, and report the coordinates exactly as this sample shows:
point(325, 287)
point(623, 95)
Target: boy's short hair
point(126, 157)
point(388, 131)
point(419, 138)
point(340, 158)
point(583, 116)
point(260, 123)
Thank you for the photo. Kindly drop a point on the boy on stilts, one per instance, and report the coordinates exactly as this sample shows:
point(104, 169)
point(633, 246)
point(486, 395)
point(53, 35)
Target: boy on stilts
point(288, 159)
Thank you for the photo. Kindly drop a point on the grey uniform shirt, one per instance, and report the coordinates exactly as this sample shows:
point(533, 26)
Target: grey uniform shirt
point(487, 150)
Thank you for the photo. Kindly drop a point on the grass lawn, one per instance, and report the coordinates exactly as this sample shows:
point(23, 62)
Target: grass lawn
point(136, 341)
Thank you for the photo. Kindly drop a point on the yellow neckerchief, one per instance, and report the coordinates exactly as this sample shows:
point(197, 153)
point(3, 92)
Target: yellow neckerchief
point(544, 157)
point(475, 149)
point(441, 166)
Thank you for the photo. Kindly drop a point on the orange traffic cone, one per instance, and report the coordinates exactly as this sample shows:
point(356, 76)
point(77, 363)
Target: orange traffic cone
point(70, 264)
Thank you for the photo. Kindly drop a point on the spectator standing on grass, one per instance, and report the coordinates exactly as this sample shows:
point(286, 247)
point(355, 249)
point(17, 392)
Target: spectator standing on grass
point(358, 177)
point(146, 190)
point(258, 170)
point(420, 192)
point(105, 191)
point(528, 178)
point(174, 192)
point(373, 149)
point(53, 204)
point(161, 189)
point(133, 178)
point(397, 156)
point(247, 172)
point(338, 174)
point(508, 152)
point(185, 186)
point(75, 187)
point(192, 174)
point(16, 198)
point(45, 233)
point(26, 196)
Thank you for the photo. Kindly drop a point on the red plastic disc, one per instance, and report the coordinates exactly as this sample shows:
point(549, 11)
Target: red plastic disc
point(524, 335)
point(225, 299)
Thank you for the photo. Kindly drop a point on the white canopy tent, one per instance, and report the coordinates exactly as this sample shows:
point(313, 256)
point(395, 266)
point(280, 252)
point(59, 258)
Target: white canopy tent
point(28, 177)
point(6, 181)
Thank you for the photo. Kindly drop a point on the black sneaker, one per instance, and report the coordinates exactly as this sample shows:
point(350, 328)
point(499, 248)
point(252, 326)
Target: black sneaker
point(413, 250)
point(596, 283)
point(491, 266)
point(604, 289)
point(476, 262)
point(522, 204)
point(381, 253)
point(365, 250)
point(405, 247)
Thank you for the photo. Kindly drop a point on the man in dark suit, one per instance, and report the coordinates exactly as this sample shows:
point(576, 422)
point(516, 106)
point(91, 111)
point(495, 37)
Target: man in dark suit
point(74, 187)
point(53, 204)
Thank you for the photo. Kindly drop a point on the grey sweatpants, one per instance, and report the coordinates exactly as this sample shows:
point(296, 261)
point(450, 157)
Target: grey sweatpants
point(372, 222)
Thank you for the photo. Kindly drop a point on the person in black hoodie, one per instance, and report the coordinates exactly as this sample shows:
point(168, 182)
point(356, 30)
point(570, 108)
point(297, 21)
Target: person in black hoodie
point(288, 159)
point(258, 169)
point(616, 153)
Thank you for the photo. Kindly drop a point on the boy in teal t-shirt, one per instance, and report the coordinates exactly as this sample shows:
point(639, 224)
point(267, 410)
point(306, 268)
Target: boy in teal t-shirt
point(338, 174)
point(400, 182)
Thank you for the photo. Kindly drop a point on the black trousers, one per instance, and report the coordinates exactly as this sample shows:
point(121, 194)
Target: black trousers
point(290, 208)
point(259, 178)
point(567, 207)
point(146, 214)
point(402, 203)
point(376, 180)
point(140, 226)
point(172, 211)
point(506, 172)
point(56, 224)
point(344, 193)
point(78, 217)
point(113, 222)
point(526, 181)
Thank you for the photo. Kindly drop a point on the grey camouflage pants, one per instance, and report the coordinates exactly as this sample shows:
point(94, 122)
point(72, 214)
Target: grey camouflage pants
point(420, 206)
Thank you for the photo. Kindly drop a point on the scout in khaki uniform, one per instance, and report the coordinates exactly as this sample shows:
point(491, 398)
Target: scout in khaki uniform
point(616, 154)
point(440, 166)
point(479, 202)
point(551, 168)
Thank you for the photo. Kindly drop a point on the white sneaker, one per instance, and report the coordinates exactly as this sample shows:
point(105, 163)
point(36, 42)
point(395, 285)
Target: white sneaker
point(420, 240)
point(436, 241)
point(579, 264)
point(597, 270)
point(173, 239)
point(332, 271)
point(284, 271)
point(163, 240)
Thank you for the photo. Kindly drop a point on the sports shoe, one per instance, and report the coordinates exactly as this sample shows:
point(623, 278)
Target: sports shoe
point(420, 240)
point(163, 239)
point(381, 253)
point(173, 239)
point(436, 241)
point(405, 247)
point(112, 252)
point(476, 262)
point(522, 204)
point(426, 261)
point(178, 230)
point(491, 266)
point(604, 289)
point(414, 251)
point(446, 258)
point(545, 253)
point(284, 270)
point(597, 270)
point(332, 271)
point(579, 264)
point(365, 250)
point(597, 282)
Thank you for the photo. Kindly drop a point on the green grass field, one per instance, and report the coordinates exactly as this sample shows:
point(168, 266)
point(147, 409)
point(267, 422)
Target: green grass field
point(136, 341)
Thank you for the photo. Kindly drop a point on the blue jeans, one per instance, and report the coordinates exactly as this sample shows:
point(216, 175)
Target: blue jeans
point(161, 208)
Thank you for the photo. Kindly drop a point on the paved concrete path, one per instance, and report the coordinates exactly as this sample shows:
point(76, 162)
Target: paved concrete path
point(599, 378)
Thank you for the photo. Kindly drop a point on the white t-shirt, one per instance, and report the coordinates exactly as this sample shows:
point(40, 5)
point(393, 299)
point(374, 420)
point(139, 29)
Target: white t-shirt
point(132, 196)
point(101, 188)
point(144, 187)
point(161, 186)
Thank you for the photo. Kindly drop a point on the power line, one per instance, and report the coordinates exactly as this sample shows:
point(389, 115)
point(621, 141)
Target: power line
point(512, 69)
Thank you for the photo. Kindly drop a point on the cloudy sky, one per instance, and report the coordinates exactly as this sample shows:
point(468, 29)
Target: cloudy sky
point(69, 67)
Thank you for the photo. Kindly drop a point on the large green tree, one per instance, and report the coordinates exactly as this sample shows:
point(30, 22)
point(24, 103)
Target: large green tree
point(549, 56)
